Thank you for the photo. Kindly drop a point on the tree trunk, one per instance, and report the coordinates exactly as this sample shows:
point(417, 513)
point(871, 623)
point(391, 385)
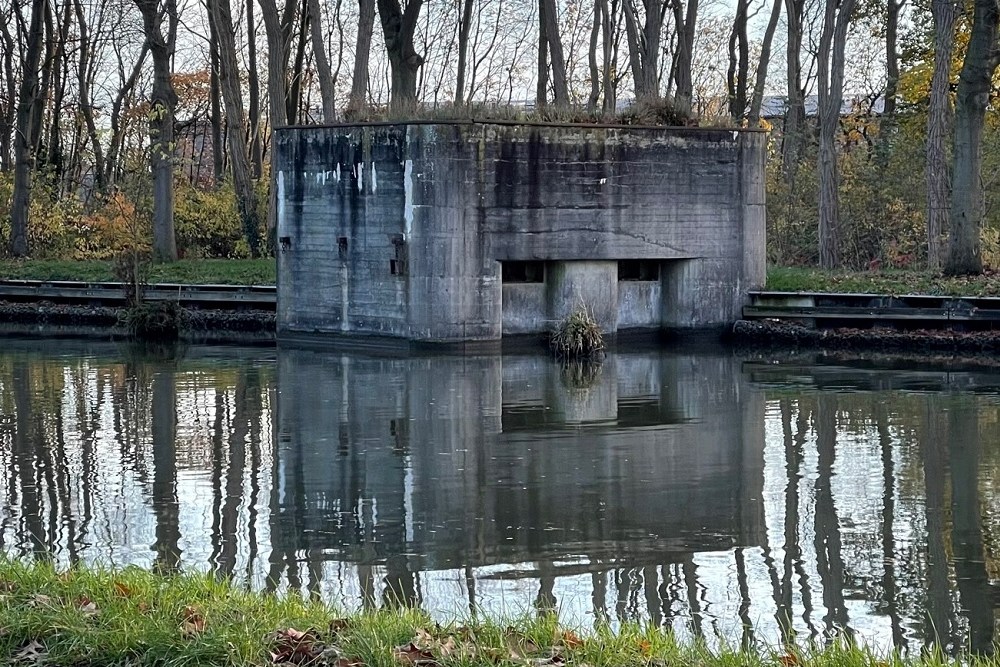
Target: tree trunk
point(277, 57)
point(464, 28)
point(220, 14)
point(7, 112)
point(362, 53)
point(684, 82)
point(595, 75)
point(293, 103)
point(644, 46)
point(327, 81)
point(945, 13)
point(117, 135)
point(981, 58)
point(163, 100)
point(763, 61)
point(86, 106)
point(739, 63)
point(830, 75)
point(560, 88)
point(24, 155)
point(795, 111)
point(542, 72)
point(399, 26)
point(891, 58)
point(609, 81)
point(253, 89)
point(215, 101)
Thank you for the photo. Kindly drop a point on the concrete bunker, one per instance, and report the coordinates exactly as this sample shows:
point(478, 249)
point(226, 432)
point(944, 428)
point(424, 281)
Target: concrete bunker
point(470, 231)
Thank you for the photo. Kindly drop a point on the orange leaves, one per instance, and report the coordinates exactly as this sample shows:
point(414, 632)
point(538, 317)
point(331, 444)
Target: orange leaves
point(193, 622)
point(294, 647)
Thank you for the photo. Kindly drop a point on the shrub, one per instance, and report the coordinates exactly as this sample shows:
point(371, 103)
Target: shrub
point(153, 320)
point(578, 336)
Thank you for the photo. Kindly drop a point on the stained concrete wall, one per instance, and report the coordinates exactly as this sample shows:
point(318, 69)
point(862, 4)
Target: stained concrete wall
point(401, 229)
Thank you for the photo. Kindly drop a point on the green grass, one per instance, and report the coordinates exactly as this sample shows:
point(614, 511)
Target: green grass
point(97, 618)
point(794, 279)
point(186, 271)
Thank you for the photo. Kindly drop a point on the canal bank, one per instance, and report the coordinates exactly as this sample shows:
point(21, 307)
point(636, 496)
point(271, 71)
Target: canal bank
point(135, 617)
point(772, 319)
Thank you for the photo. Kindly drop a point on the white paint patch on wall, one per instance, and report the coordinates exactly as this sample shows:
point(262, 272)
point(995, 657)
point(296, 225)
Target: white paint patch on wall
point(281, 203)
point(361, 176)
point(407, 199)
point(374, 179)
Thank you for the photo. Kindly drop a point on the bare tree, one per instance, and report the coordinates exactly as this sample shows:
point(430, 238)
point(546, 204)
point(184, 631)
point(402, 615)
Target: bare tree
point(253, 89)
point(945, 14)
point(795, 109)
point(399, 24)
point(685, 23)
point(643, 33)
point(10, 96)
point(830, 73)
point(85, 103)
point(24, 150)
point(362, 51)
point(738, 73)
point(162, 102)
point(327, 80)
point(220, 14)
point(464, 28)
point(974, 84)
point(763, 61)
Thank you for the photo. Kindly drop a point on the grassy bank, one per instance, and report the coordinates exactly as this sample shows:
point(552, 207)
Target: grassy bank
point(187, 271)
point(133, 617)
point(262, 272)
point(794, 279)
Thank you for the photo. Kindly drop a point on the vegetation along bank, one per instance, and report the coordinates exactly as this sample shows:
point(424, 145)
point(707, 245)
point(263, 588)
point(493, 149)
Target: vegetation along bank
point(135, 617)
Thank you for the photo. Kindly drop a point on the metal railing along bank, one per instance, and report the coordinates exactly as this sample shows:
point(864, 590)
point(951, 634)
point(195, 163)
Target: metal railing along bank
point(231, 297)
point(833, 309)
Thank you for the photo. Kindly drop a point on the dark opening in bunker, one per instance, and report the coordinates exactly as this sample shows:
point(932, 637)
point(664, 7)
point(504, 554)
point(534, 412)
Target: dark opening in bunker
point(523, 272)
point(645, 270)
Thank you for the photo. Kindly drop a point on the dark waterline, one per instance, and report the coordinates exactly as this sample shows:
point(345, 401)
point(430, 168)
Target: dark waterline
point(739, 500)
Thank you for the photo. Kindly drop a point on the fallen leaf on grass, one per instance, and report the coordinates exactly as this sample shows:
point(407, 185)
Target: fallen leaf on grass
point(645, 647)
point(123, 590)
point(788, 660)
point(411, 654)
point(193, 622)
point(295, 647)
point(519, 645)
point(87, 606)
point(32, 652)
point(349, 662)
point(338, 625)
point(569, 639)
point(39, 600)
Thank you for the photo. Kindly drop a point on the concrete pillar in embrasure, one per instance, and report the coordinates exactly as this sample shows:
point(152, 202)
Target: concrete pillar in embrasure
point(591, 283)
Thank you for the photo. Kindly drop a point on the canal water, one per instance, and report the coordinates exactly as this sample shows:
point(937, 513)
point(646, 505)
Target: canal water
point(738, 499)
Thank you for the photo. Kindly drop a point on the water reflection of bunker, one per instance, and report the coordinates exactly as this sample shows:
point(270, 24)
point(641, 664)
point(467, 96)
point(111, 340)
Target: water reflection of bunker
point(420, 464)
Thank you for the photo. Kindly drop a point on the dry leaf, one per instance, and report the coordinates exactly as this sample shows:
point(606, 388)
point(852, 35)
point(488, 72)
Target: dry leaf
point(32, 652)
point(193, 623)
point(294, 646)
point(87, 606)
point(570, 639)
point(39, 600)
point(413, 655)
point(645, 647)
point(338, 625)
point(788, 660)
point(520, 647)
point(124, 590)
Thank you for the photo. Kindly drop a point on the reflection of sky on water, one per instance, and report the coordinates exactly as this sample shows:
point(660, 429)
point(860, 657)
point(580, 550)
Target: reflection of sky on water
point(724, 499)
